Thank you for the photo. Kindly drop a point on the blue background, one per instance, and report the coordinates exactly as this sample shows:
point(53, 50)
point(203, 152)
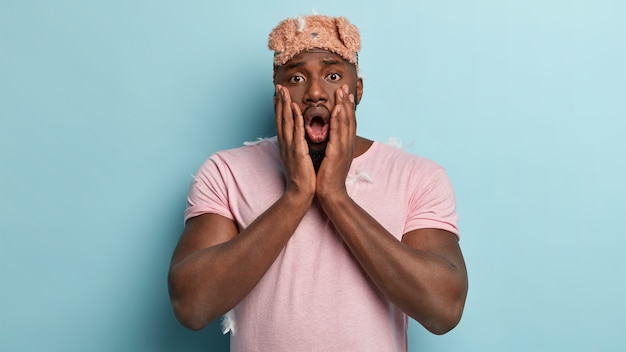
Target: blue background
point(107, 108)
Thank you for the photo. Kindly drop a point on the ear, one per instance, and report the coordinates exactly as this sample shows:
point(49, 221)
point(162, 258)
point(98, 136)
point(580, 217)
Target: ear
point(359, 91)
point(274, 75)
point(275, 97)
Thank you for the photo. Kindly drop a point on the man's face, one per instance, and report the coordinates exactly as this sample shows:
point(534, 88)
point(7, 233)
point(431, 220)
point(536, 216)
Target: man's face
point(312, 78)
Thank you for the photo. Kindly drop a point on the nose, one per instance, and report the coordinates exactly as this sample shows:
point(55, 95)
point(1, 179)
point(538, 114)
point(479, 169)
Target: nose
point(315, 92)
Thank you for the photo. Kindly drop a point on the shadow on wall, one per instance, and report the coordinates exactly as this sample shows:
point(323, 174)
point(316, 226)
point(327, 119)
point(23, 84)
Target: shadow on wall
point(181, 339)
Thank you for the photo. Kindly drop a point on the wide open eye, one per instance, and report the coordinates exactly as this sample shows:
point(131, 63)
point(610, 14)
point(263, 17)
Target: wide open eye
point(334, 77)
point(296, 79)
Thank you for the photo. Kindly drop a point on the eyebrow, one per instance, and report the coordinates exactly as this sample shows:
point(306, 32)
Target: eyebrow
point(331, 62)
point(327, 62)
point(294, 65)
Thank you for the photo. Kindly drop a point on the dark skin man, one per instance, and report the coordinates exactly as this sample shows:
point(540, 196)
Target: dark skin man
point(316, 95)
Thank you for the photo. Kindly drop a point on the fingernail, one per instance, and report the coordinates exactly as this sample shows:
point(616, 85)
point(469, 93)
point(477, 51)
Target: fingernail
point(351, 98)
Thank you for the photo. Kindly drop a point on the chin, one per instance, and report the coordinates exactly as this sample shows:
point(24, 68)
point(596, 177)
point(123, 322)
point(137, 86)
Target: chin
point(317, 146)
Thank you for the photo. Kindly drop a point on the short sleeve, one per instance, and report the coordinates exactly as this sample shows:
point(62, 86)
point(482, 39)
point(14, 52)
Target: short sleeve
point(208, 192)
point(433, 204)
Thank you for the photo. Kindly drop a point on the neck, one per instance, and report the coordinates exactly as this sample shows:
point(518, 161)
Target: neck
point(362, 145)
point(316, 157)
point(317, 153)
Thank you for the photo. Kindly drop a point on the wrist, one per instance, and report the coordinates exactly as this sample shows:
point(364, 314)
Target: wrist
point(295, 198)
point(329, 198)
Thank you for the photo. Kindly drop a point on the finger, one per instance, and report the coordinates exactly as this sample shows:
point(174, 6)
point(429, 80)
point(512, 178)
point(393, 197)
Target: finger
point(287, 116)
point(341, 125)
point(334, 117)
point(349, 108)
point(278, 111)
point(298, 122)
point(299, 131)
point(352, 114)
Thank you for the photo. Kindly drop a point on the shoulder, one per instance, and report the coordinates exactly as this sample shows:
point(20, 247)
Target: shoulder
point(260, 147)
point(254, 158)
point(393, 155)
point(401, 168)
point(258, 151)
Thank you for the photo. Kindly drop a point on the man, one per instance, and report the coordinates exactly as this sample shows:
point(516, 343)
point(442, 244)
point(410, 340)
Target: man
point(318, 239)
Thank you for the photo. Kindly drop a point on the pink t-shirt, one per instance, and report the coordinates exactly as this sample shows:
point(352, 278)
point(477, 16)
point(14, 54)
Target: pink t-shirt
point(316, 297)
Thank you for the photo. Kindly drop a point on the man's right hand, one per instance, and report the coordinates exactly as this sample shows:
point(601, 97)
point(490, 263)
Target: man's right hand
point(294, 150)
point(207, 277)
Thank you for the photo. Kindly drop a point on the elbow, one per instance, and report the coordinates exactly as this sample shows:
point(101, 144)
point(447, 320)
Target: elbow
point(449, 314)
point(445, 323)
point(452, 308)
point(188, 312)
point(190, 321)
point(186, 316)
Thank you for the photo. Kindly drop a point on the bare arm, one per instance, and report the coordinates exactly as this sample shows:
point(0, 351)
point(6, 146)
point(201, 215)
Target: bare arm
point(213, 266)
point(424, 274)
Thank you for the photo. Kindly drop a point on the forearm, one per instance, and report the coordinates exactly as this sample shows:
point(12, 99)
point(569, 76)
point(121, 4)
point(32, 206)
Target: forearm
point(427, 287)
point(208, 283)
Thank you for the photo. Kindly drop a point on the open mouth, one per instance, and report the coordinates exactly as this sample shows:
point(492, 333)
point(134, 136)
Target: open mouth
point(316, 124)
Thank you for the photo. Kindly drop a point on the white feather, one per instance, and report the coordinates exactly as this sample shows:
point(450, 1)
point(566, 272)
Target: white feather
point(395, 142)
point(228, 323)
point(360, 74)
point(258, 140)
point(301, 23)
point(359, 176)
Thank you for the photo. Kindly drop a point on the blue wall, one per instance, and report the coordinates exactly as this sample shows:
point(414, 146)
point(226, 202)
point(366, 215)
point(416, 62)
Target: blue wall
point(106, 110)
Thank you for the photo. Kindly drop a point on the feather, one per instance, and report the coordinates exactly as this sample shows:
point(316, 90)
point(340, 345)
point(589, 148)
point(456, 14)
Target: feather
point(228, 323)
point(359, 176)
point(258, 140)
point(360, 74)
point(301, 23)
point(394, 142)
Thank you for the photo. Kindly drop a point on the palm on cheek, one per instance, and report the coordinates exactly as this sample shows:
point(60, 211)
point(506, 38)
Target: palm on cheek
point(340, 149)
point(294, 150)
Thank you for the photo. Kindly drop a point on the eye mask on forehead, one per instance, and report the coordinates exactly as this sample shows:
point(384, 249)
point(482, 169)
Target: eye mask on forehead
point(295, 35)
